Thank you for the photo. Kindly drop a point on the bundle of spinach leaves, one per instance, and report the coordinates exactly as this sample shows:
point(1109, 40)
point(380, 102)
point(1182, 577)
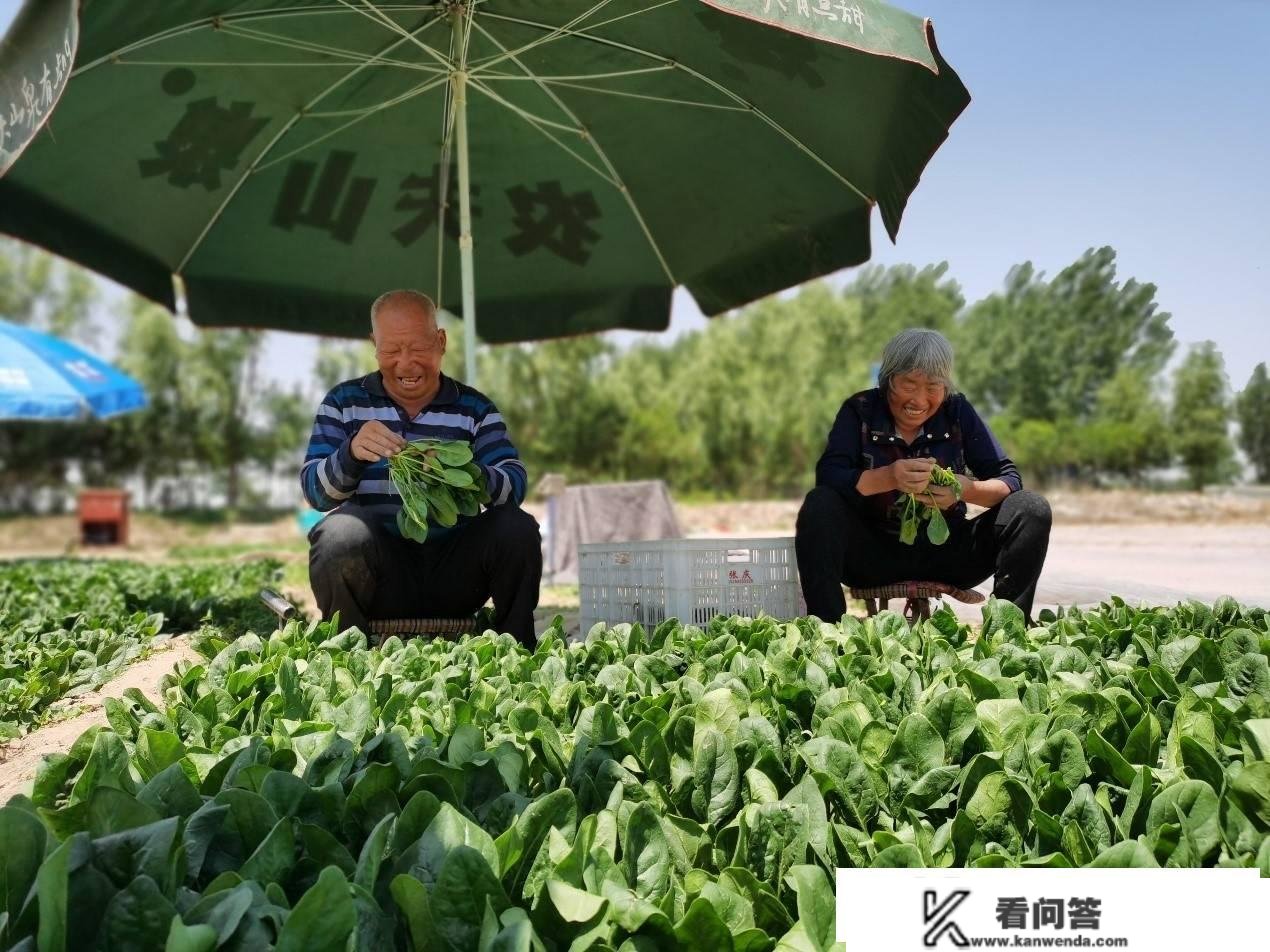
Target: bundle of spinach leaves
point(914, 511)
point(438, 480)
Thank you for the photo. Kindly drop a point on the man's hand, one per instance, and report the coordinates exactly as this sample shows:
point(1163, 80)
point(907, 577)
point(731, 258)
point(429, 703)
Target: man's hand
point(943, 496)
point(912, 475)
point(374, 442)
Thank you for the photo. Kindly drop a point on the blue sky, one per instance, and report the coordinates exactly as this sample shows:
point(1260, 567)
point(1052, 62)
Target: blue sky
point(1138, 125)
point(1142, 125)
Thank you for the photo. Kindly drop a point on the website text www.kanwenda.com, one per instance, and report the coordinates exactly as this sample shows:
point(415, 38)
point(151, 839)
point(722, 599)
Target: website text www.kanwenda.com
point(1046, 942)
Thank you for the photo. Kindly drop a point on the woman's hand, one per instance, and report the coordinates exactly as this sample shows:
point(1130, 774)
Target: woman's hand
point(943, 496)
point(912, 475)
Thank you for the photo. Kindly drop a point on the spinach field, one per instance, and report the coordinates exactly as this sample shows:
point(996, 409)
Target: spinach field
point(674, 789)
point(67, 627)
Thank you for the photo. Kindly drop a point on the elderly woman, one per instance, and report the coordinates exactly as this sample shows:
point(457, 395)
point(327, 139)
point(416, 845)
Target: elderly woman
point(883, 445)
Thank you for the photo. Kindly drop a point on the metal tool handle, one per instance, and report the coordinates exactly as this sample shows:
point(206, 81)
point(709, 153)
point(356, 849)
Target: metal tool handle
point(277, 604)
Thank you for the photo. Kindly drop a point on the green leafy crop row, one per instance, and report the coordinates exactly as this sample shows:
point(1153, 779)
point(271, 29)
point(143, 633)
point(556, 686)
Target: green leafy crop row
point(66, 627)
point(679, 789)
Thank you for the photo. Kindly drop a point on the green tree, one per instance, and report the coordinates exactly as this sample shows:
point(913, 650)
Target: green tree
point(762, 387)
point(1252, 410)
point(207, 407)
point(43, 291)
point(36, 456)
point(1128, 431)
point(658, 439)
point(222, 393)
point(900, 296)
point(1042, 350)
point(1042, 449)
point(1201, 413)
point(154, 442)
point(339, 359)
point(558, 403)
point(280, 446)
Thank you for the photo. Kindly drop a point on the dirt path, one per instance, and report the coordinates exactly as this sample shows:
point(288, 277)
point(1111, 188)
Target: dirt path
point(20, 759)
point(1071, 508)
point(1150, 564)
point(1157, 564)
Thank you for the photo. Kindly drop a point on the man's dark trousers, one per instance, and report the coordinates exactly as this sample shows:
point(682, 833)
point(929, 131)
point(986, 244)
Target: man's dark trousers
point(357, 567)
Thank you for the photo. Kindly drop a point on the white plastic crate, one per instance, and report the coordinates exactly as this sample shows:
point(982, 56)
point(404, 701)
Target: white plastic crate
point(689, 579)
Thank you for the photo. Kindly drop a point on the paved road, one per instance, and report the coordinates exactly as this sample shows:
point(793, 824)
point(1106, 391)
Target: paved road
point(1156, 564)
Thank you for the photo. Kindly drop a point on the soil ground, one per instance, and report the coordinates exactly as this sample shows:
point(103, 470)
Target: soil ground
point(19, 759)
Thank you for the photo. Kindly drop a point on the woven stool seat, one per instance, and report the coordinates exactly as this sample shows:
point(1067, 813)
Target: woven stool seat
point(423, 626)
point(381, 628)
point(916, 595)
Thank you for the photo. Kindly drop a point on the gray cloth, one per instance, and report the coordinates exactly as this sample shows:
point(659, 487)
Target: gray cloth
point(608, 512)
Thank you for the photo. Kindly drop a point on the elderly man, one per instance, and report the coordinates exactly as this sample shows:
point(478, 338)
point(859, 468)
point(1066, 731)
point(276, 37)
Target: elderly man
point(883, 445)
point(359, 564)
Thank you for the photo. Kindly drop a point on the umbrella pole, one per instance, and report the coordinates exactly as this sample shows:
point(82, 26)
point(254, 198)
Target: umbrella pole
point(459, 80)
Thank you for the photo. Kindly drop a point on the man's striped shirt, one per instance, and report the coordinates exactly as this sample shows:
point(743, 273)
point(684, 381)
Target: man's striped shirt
point(331, 474)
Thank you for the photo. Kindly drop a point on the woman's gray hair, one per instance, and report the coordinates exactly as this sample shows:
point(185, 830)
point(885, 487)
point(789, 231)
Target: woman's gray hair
point(921, 350)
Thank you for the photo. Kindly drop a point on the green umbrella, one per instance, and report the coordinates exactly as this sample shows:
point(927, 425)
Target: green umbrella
point(289, 159)
point(36, 55)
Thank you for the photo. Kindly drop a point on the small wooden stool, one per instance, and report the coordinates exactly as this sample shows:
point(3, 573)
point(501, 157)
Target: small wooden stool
point(382, 628)
point(429, 627)
point(917, 597)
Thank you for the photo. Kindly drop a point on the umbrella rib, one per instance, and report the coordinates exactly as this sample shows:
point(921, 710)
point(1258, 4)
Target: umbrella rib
point(567, 31)
point(371, 12)
point(525, 113)
point(305, 46)
point(633, 13)
point(671, 102)
point(557, 79)
point(362, 114)
point(364, 111)
point(599, 151)
point(734, 96)
point(220, 21)
point(348, 62)
point(780, 130)
point(558, 32)
point(539, 124)
point(274, 141)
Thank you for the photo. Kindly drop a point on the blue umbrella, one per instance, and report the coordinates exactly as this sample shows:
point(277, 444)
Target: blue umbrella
point(45, 378)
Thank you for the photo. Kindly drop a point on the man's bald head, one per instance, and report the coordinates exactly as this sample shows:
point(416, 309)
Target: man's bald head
point(404, 302)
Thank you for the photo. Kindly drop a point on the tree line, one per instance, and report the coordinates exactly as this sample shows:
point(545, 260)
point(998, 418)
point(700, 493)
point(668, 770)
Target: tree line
point(1074, 372)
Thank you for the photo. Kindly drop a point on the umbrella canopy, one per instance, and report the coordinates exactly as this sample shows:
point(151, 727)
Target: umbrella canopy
point(289, 161)
point(36, 55)
point(43, 377)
